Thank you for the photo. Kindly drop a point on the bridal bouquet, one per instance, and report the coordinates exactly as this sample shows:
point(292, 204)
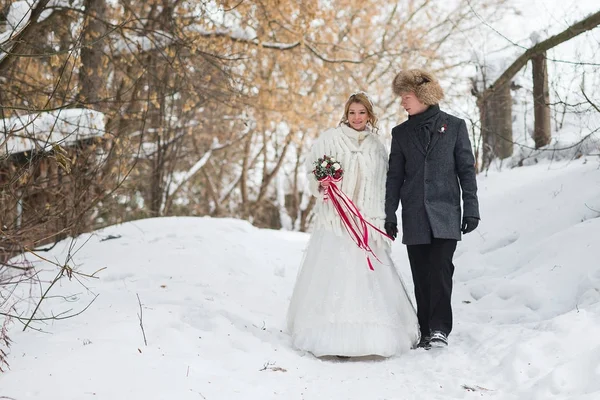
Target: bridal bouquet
point(328, 169)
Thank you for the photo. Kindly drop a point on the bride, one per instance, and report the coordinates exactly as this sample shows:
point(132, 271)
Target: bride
point(339, 306)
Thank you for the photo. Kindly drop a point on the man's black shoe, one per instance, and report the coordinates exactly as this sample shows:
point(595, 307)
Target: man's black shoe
point(424, 343)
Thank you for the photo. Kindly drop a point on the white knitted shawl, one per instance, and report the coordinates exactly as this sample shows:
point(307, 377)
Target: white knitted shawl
point(365, 167)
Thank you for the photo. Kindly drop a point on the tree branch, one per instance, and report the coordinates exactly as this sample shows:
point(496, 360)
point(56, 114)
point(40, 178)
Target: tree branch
point(256, 42)
point(572, 31)
point(140, 316)
point(191, 173)
point(267, 178)
point(18, 41)
point(589, 100)
point(284, 47)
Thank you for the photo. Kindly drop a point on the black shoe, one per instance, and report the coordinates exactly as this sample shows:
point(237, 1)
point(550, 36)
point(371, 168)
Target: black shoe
point(438, 339)
point(424, 343)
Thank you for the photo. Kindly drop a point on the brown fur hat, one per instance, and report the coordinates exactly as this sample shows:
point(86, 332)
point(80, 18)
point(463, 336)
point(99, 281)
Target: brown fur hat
point(422, 83)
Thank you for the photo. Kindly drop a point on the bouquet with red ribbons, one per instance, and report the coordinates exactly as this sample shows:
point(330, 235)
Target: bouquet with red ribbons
point(328, 171)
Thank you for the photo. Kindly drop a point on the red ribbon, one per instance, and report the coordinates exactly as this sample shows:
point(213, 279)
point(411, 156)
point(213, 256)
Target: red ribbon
point(352, 219)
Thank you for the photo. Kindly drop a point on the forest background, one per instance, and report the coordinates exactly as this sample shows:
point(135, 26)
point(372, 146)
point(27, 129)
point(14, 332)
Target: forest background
point(117, 110)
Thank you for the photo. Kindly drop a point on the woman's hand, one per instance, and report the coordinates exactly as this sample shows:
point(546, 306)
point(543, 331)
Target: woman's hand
point(325, 183)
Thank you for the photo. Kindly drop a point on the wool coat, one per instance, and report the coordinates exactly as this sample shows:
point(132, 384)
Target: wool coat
point(428, 181)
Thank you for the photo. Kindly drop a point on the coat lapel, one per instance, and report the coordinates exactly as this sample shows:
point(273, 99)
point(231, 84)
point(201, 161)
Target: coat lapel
point(435, 136)
point(413, 136)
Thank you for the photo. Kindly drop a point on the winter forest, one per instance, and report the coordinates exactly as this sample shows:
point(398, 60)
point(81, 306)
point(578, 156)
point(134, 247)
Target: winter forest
point(122, 111)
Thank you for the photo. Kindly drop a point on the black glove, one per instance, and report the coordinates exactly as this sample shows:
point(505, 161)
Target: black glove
point(469, 224)
point(391, 228)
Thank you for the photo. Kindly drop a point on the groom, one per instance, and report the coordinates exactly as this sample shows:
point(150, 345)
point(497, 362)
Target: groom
point(430, 156)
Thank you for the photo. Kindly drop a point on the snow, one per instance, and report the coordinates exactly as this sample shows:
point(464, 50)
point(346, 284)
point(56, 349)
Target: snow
point(17, 18)
point(214, 294)
point(42, 130)
point(133, 42)
point(19, 15)
point(501, 42)
point(191, 172)
point(56, 4)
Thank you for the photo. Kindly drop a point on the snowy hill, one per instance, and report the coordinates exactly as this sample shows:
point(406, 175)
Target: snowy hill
point(214, 294)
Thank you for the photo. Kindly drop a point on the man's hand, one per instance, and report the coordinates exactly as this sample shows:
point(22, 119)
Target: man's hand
point(469, 224)
point(391, 228)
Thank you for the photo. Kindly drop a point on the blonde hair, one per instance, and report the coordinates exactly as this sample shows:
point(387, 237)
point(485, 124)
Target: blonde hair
point(360, 98)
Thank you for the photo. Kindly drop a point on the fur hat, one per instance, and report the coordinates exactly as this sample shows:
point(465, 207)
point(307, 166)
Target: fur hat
point(422, 83)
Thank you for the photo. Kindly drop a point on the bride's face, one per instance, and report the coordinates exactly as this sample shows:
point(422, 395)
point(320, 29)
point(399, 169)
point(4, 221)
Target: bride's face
point(358, 116)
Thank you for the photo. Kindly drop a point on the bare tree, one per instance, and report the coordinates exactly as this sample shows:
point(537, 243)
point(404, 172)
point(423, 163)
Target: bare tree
point(93, 72)
point(542, 132)
point(495, 100)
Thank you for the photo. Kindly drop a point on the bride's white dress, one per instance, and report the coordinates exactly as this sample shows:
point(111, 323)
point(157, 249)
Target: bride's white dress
point(341, 307)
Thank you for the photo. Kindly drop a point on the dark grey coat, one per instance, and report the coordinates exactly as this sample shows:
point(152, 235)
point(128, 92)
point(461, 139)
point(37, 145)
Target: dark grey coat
point(429, 183)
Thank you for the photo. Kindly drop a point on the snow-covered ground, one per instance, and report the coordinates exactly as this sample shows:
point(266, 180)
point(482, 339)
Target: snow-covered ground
point(214, 294)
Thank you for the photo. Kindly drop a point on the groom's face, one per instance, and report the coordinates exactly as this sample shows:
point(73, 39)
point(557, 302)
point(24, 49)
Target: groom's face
point(412, 104)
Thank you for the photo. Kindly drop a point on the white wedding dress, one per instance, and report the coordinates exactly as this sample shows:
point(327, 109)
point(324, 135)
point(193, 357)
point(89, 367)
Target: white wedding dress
point(339, 306)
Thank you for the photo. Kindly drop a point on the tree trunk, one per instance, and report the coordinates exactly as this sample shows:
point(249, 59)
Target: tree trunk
point(245, 206)
point(541, 100)
point(495, 104)
point(496, 125)
point(93, 69)
point(586, 24)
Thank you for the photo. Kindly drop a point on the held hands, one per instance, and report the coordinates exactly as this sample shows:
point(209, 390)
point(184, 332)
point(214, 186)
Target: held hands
point(391, 229)
point(469, 224)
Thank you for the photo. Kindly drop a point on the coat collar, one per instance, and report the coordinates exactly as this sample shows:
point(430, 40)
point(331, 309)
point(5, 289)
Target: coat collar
point(437, 133)
point(420, 118)
point(414, 122)
point(355, 135)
